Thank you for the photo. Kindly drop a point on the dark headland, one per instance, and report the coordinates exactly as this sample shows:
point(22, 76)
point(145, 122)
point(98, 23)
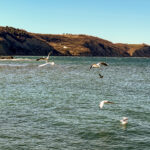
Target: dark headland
point(20, 42)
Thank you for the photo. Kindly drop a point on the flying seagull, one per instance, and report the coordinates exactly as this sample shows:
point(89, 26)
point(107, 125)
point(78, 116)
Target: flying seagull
point(104, 102)
point(98, 65)
point(44, 58)
point(124, 121)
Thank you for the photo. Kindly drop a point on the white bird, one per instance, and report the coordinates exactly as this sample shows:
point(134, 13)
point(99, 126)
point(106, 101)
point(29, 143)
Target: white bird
point(44, 58)
point(104, 102)
point(124, 121)
point(48, 63)
point(98, 65)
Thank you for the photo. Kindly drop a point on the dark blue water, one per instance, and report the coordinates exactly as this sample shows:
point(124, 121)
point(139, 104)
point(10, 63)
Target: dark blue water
point(57, 107)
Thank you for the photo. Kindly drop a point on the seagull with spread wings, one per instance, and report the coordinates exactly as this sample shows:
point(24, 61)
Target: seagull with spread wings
point(98, 65)
point(104, 102)
point(46, 59)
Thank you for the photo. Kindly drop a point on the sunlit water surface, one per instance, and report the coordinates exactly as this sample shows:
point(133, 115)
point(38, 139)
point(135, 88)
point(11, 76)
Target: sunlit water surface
point(57, 107)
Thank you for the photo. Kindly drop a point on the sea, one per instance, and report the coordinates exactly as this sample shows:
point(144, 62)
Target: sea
point(56, 107)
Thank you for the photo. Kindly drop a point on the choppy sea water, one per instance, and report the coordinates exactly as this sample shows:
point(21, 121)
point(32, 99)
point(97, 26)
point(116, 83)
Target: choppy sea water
point(57, 107)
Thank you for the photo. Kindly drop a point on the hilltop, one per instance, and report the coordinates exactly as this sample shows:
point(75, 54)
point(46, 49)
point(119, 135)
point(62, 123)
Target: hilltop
point(20, 42)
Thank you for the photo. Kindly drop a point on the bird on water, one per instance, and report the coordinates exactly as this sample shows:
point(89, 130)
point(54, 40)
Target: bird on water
point(124, 121)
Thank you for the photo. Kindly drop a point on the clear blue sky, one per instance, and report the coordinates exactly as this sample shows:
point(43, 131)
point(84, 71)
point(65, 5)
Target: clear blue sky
point(125, 21)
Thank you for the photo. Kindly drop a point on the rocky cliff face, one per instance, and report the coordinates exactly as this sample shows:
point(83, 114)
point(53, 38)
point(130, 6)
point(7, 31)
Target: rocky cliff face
point(20, 42)
point(144, 52)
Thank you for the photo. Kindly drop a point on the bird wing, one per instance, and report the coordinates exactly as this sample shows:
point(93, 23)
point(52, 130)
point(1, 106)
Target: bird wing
point(110, 102)
point(49, 54)
point(101, 104)
point(104, 64)
point(47, 58)
point(40, 59)
point(43, 65)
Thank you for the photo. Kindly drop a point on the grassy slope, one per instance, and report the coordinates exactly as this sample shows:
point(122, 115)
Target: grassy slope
point(15, 41)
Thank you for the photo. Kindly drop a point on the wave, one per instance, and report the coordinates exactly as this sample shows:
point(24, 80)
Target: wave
point(18, 59)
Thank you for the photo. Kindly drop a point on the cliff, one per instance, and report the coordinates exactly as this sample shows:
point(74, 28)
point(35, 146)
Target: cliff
point(20, 42)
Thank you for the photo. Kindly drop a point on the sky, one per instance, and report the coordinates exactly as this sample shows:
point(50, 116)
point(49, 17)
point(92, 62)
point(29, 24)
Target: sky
point(119, 21)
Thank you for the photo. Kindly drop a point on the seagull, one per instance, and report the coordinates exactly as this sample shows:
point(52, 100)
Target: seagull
point(104, 102)
point(44, 58)
point(48, 63)
point(124, 121)
point(98, 65)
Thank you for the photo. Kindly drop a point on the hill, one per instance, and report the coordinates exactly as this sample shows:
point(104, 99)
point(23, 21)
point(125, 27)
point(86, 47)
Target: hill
point(20, 42)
